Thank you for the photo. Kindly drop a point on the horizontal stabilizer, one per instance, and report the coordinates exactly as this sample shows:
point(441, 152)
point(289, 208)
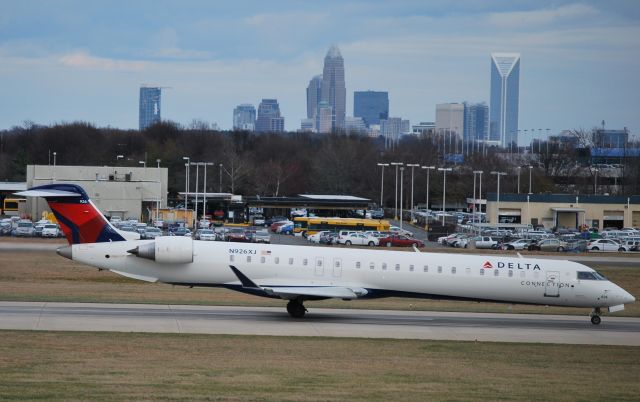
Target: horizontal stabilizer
point(332, 292)
point(44, 193)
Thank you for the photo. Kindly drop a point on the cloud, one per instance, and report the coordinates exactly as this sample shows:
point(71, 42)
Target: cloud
point(82, 60)
point(536, 18)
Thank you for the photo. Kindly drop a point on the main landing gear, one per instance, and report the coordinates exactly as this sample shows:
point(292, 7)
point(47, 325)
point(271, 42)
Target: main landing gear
point(296, 309)
point(595, 316)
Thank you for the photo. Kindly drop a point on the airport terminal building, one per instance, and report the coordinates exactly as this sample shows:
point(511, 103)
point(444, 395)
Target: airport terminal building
point(122, 191)
point(564, 210)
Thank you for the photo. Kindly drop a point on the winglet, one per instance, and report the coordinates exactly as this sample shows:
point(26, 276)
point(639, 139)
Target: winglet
point(246, 282)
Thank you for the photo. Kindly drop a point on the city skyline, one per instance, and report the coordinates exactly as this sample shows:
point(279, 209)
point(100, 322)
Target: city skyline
point(86, 62)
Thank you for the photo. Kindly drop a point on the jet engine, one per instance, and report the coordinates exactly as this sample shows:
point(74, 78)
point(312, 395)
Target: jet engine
point(167, 250)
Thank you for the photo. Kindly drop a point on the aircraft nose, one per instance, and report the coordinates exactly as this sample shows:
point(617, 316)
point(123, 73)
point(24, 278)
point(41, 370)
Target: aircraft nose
point(628, 298)
point(66, 252)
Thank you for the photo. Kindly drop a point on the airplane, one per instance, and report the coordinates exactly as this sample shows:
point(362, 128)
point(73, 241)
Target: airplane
point(302, 273)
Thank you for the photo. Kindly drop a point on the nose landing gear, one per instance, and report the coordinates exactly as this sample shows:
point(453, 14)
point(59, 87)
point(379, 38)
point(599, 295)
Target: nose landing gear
point(296, 309)
point(595, 316)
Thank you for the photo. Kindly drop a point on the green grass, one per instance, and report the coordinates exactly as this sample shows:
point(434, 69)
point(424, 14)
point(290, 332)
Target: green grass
point(121, 366)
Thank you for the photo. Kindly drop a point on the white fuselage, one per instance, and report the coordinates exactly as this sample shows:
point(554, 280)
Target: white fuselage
point(380, 272)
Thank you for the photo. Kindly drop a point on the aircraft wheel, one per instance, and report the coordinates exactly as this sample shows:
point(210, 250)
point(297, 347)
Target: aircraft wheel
point(595, 319)
point(296, 309)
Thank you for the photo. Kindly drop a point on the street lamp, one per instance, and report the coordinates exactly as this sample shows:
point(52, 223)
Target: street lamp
point(429, 169)
point(144, 163)
point(160, 189)
point(530, 168)
point(382, 182)
point(195, 217)
point(519, 168)
point(444, 188)
point(204, 192)
point(118, 157)
point(401, 192)
point(220, 188)
point(498, 174)
point(54, 165)
point(186, 186)
point(595, 181)
point(412, 165)
point(396, 164)
point(475, 200)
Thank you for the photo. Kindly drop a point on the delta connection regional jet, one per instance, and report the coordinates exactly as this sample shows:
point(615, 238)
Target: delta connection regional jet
point(300, 273)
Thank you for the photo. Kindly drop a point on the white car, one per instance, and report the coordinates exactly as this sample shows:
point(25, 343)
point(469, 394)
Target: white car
point(485, 242)
point(604, 245)
point(50, 230)
point(520, 244)
point(315, 238)
point(205, 234)
point(359, 239)
point(398, 231)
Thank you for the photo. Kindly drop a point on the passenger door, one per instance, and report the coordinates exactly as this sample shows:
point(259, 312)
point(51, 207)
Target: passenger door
point(337, 267)
point(552, 288)
point(319, 266)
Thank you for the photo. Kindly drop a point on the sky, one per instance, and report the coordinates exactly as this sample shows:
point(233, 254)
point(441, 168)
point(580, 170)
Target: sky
point(68, 60)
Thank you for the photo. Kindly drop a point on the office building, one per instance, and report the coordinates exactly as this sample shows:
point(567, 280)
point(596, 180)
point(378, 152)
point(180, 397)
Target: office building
point(371, 106)
point(314, 92)
point(424, 128)
point(149, 108)
point(354, 125)
point(308, 125)
point(244, 117)
point(325, 117)
point(269, 119)
point(450, 119)
point(392, 128)
point(505, 89)
point(476, 122)
point(334, 90)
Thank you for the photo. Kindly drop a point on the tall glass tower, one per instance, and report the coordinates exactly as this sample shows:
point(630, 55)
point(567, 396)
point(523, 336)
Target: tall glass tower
point(505, 89)
point(244, 117)
point(334, 90)
point(269, 119)
point(149, 110)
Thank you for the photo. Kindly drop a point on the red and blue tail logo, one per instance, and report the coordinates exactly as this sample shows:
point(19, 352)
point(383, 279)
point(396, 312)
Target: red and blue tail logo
point(77, 216)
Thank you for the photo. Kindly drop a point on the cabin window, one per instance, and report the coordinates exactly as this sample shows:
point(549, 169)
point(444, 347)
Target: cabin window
point(384, 266)
point(248, 258)
point(439, 269)
point(481, 271)
point(411, 268)
point(453, 270)
point(496, 272)
point(231, 257)
point(467, 270)
point(358, 265)
point(397, 267)
point(276, 260)
point(510, 273)
point(305, 262)
point(372, 265)
point(290, 261)
point(262, 260)
point(337, 264)
point(425, 268)
point(319, 262)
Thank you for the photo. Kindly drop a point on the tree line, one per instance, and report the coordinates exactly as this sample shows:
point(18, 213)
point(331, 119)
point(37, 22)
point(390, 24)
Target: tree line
point(285, 164)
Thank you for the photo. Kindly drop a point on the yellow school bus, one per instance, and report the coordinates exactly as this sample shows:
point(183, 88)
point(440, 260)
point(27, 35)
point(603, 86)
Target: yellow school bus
point(300, 225)
point(315, 225)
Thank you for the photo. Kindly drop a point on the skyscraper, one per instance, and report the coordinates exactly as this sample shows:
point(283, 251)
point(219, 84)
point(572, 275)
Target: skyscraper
point(325, 117)
point(314, 91)
point(450, 119)
point(244, 117)
point(269, 119)
point(334, 91)
point(476, 122)
point(372, 106)
point(505, 83)
point(149, 109)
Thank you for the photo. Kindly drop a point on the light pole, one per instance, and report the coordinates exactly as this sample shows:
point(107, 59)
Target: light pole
point(160, 194)
point(118, 157)
point(519, 168)
point(498, 174)
point(595, 180)
point(144, 163)
point(204, 192)
point(186, 186)
point(444, 188)
point(401, 192)
point(195, 217)
point(412, 165)
point(396, 164)
point(530, 168)
point(220, 188)
point(54, 165)
point(475, 200)
point(382, 183)
point(429, 169)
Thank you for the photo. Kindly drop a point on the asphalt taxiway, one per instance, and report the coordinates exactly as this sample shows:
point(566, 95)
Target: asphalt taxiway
point(319, 322)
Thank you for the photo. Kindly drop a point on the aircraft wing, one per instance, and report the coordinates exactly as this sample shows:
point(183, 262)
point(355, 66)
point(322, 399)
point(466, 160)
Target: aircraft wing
point(293, 292)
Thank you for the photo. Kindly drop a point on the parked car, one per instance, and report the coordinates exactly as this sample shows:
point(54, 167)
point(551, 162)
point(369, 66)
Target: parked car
point(275, 225)
point(377, 213)
point(151, 233)
point(38, 226)
point(286, 229)
point(50, 230)
point(141, 228)
point(270, 221)
point(315, 238)
point(400, 241)
point(519, 244)
point(485, 242)
point(398, 231)
point(24, 229)
point(204, 223)
point(328, 238)
point(261, 236)
point(630, 244)
point(549, 245)
point(237, 235)
point(604, 245)
point(258, 220)
point(205, 234)
point(358, 239)
point(181, 231)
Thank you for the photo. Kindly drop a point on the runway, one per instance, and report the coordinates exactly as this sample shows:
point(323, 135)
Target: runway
point(318, 322)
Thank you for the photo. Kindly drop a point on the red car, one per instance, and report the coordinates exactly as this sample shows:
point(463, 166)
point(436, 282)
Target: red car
point(400, 241)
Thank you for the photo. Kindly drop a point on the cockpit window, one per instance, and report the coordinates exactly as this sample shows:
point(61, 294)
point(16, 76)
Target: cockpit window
point(591, 276)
